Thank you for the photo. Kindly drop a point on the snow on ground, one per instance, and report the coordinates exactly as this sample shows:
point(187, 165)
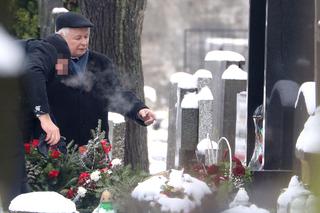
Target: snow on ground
point(157, 143)
point(49, 202)
point(192, 189)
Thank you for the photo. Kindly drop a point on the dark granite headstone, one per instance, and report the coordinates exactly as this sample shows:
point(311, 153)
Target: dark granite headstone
point(189, 136)
point(181, 94)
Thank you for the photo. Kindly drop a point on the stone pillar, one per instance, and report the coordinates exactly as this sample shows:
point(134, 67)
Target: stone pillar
point(171, 146)
point(205, 113)
point(240, 150)
point(46, 17)
point(204, 78)
point(117, 131)
point(231, 89)
point(181, 92)
point(217, 85)
point(184, 80)
point(189, 129)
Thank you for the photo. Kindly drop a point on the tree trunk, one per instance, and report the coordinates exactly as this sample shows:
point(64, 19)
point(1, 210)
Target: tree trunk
point(117, 33)
point(46, 18)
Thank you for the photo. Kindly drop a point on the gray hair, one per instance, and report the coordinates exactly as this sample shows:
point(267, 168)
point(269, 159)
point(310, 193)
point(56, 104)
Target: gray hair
point(63, 31)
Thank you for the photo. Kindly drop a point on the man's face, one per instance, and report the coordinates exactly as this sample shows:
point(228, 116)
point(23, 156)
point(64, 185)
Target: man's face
point(62, 66)
point(78, 40)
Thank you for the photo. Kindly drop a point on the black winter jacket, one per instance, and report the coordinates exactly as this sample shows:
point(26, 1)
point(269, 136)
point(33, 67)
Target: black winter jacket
point(74, 103)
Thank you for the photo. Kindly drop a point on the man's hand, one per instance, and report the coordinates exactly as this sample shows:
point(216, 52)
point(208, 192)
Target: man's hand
point(147, 116)
point(52, 131)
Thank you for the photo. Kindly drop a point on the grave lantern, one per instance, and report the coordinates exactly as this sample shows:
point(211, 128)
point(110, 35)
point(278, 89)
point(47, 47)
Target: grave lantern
point(210, 150)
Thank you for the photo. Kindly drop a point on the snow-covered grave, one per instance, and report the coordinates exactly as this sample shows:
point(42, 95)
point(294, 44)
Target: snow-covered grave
point(172, 192)
point(296, 199)
point(241, 204)
point(42, 202)
point(308, 140)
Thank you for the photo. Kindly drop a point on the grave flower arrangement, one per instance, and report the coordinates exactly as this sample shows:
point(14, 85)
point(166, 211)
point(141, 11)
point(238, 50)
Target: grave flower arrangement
point(219, 180)
point(82, 173)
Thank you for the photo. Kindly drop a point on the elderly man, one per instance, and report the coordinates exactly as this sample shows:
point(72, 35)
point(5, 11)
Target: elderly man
point(70, 97)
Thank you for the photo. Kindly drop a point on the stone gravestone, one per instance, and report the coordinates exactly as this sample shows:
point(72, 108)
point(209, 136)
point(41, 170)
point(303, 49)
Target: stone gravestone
point(217, 61)
point(117, 130)
point(204, 78)
point(234, 82)
point(173, 109)
point(240, 149)
point(189, 129)
point(205, 113)
point(186, 85)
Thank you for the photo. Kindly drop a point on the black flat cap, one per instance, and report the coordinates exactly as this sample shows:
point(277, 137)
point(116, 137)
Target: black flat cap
point(73, 20)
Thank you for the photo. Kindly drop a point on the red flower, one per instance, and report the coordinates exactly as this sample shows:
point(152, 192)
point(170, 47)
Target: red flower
point(70, 194)
point(55, 154)
point(238, 170)
point(104, 170)
point(53, 174)
point(236, 160)
point(35, 143)
point(217, 179)
point(212, 169)
point(27, 148)
point(83, 177)
point(105, 146)
point(260, 158)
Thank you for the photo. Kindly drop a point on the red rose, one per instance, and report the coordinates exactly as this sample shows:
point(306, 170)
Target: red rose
point(35, 143)
point(27, 148)
point(107, 149)
point(236, 160)
point(104, 141)
point(105, 146)
point(53, 174)
point(217, 179)
point(213, 169)
point(260, 158)
point(70, 194)
point(104, 170)
point(55, 154)
point(83, 177)
point(238, 170)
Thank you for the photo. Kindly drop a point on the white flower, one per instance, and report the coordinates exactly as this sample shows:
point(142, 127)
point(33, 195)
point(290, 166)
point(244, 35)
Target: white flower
point(82, 191)
point(116, 162)
point(95, 176)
